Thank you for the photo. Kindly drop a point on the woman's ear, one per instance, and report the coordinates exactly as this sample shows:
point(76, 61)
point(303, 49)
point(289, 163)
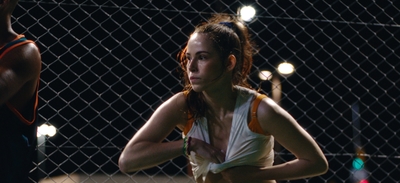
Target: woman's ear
point(231, 62)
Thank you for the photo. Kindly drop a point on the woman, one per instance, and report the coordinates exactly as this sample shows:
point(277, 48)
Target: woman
point(20, 67)
point(228, 129)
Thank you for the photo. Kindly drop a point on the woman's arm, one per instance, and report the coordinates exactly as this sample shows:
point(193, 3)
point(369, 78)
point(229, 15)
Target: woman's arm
point(146, 149)
point(309, 162)
point(19, 73)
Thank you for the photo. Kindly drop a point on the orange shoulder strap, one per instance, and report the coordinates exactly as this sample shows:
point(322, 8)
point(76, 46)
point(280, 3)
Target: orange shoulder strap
point(19, 40)
point(254, 125)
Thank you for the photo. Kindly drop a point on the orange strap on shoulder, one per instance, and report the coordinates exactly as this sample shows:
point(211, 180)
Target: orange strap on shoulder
point(18, 41)
point(254, 125)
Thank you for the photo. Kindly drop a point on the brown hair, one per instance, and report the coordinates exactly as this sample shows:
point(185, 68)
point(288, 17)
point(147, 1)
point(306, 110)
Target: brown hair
point(230, 36)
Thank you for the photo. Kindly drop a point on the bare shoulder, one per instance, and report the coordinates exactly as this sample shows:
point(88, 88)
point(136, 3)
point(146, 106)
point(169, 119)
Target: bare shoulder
point(272, 117)
point(177, 101)
point(30, 54)
point(24, 60)
point(174, 108)
point(268, 108)
point(20, 69)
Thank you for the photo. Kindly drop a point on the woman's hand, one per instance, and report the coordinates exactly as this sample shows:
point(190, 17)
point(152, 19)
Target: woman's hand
point(206, 151)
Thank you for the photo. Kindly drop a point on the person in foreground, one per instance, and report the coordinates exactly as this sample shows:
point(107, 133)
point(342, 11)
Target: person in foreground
point(20, 66)
point(228, 129)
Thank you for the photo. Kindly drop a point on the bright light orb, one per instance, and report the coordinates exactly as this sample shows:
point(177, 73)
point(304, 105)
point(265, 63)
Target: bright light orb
point(285, 68)
point(265, 75)
point(247, 13)
point(45, 129)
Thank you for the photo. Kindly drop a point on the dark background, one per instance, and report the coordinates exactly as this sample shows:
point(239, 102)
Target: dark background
point(108, 65)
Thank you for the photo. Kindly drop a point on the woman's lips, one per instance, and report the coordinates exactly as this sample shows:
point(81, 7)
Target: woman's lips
point(193, 79)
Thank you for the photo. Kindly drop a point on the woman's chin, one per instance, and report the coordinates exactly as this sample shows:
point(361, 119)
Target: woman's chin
point(197, 88)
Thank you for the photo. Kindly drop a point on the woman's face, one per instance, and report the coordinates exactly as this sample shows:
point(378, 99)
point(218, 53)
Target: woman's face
point(204, 66)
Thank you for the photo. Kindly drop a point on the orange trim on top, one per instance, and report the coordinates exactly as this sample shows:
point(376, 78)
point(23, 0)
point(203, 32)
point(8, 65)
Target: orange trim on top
point(35, 106)
point(189, 124)
point(18, 37)
point(254, 125)
point(12, 108)
point(15, 45)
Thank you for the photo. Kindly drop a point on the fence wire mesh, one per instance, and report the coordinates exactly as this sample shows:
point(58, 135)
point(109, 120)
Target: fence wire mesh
point(108, 64)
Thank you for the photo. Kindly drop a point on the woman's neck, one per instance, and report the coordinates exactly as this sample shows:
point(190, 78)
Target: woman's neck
point(6, 36)
point(221, 101)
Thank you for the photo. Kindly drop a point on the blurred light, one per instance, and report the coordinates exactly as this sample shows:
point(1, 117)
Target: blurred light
point(285, 68)
point(265, 75)
point(358, 164)
point(45, 129)
point(359, 176)
point(247, 13)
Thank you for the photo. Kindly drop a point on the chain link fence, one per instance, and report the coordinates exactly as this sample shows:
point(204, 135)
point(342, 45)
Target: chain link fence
point(107, 65)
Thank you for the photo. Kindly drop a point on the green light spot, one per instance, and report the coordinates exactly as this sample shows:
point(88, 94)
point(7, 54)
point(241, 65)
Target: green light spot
point(358, 164)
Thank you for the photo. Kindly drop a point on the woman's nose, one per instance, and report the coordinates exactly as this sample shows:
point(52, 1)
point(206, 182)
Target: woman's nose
point(192, 66)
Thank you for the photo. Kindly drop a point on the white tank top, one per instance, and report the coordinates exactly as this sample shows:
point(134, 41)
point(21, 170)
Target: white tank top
point(245, 147)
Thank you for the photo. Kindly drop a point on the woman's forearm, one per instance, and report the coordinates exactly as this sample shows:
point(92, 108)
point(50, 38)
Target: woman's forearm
point(143, 155)
point(296, 169)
